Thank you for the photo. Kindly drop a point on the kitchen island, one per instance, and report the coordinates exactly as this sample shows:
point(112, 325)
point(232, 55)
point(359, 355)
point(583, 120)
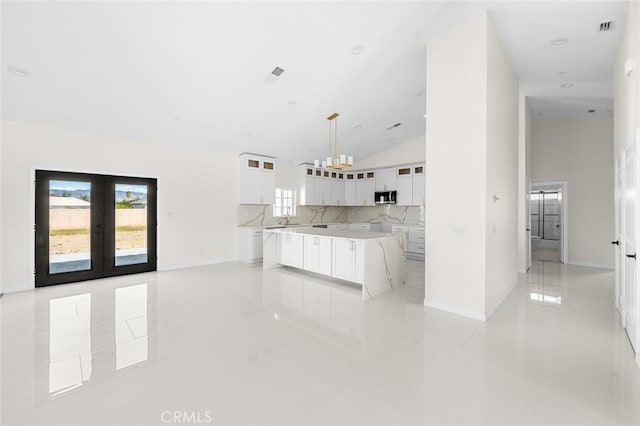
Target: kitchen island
point(374, 260)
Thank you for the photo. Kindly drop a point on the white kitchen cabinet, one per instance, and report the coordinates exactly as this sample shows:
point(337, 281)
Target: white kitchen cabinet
point(350, 189)
point(336, 189)
point(307, 186)
point(365, 188)
point(385, 179)
point(337, 226)
point(317, 254)
point(416, 241)
point(322, 188)
point(291, 249)
point(250, 244)
point(348, 259)
point(257, 179)
point(404, 186)
point(359, 226)
point(418, 193)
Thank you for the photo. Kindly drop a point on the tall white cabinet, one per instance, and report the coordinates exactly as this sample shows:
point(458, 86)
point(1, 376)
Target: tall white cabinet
point(257, 179)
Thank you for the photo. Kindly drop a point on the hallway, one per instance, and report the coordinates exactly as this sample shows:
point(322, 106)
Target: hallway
point(279, 347)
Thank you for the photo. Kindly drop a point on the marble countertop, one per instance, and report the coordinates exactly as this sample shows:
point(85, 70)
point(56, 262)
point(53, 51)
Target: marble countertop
point(302, 225)
point(338, 233)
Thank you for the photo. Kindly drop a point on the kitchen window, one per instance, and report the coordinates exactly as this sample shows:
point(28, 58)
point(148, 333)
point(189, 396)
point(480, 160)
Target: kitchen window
point(285, 203)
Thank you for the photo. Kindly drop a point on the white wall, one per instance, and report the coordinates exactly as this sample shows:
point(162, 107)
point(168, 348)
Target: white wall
point(472, 153)
point(412, 151)
point(627, 89)
point(502, 174)
point(580, 151)
point(456, 132)
point(197, 193)
point(524, 172)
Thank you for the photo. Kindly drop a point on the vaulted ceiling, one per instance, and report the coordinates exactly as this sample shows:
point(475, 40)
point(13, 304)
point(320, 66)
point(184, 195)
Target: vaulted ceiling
point(199, 74)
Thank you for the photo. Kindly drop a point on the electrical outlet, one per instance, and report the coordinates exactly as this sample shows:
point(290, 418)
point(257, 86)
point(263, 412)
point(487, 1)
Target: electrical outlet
point(457, 229)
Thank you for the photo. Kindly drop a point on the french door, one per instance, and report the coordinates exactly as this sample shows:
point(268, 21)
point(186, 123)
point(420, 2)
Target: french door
point(92, 226)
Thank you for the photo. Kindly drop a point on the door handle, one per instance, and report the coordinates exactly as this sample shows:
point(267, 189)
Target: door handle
point(528, 229)
point(633, 256)
point(616, 242)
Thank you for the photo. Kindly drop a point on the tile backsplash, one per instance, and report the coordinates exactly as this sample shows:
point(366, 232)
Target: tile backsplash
point(262, 215)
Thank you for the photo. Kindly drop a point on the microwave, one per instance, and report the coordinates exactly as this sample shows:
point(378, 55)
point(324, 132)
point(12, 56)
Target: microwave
point(385, 197)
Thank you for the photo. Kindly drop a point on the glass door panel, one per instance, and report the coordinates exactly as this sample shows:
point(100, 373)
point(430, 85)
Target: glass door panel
point(93, 226)
point(69, 226)
point(131, 224)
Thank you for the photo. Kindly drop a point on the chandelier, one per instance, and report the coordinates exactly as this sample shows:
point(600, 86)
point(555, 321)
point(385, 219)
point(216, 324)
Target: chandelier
point(335, 160)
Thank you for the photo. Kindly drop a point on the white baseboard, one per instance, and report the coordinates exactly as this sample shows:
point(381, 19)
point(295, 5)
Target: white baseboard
point(590, 265)
point(195, 265)
point(497, 304)
point(456, 310)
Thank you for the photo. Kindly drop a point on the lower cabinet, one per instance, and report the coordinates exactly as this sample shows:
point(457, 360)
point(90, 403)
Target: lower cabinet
point(317, 254)
point(348, 260)
point(250, 244)
point(290, 250)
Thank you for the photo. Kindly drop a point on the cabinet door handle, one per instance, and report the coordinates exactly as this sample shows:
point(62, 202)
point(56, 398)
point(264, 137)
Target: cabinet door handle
point(616, 242)
point(632, 256)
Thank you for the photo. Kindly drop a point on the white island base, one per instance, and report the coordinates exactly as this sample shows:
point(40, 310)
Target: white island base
point(375, 260)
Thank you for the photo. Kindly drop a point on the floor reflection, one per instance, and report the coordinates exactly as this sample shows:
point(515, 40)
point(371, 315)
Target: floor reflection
point(545, 284)
point(94, 335)
point(131, 326)
point(331, 312)
point(69, 342)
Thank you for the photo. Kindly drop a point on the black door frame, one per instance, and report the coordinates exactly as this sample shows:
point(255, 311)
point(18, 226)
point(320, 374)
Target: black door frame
point(102, 227)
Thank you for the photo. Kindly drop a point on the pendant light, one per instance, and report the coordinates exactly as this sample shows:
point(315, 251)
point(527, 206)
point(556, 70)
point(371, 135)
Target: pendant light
point(334, 160)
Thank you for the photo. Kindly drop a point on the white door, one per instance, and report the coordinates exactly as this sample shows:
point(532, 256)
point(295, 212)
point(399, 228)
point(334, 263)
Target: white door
point(630, 211)
point(619, 235)
point(527, 209)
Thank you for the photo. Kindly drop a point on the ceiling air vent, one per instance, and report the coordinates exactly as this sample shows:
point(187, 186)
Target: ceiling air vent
point(393, 126)
point(606, 26)
point(277, 71)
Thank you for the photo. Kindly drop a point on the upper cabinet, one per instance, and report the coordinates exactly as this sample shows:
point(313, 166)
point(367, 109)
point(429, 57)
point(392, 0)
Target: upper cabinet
point(386, 179)
point(257, 179)
point(322, 187)
point(418, 185)
point(404, 186)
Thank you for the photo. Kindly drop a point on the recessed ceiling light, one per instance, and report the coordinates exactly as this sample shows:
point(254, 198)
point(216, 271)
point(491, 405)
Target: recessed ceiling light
point(566, 85)
point(19, 72)
point(558, 41)
point(292, 103)
point(420, 94)
point(356, 50)
point(358, 126)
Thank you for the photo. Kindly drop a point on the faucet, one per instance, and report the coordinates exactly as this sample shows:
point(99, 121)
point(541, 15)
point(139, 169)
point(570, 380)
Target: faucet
point(286, 217)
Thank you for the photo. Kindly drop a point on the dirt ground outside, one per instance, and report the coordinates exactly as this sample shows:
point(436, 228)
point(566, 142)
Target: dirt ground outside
point(68, 241)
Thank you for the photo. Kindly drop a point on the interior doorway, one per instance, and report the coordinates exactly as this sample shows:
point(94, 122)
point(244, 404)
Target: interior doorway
point(547, 207)
point(90, 226)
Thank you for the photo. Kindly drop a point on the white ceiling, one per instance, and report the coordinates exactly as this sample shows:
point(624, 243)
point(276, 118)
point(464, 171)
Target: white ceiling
point(199, 73)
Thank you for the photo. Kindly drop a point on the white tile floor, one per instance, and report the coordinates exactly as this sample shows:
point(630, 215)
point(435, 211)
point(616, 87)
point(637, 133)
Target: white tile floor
point(234, 345)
